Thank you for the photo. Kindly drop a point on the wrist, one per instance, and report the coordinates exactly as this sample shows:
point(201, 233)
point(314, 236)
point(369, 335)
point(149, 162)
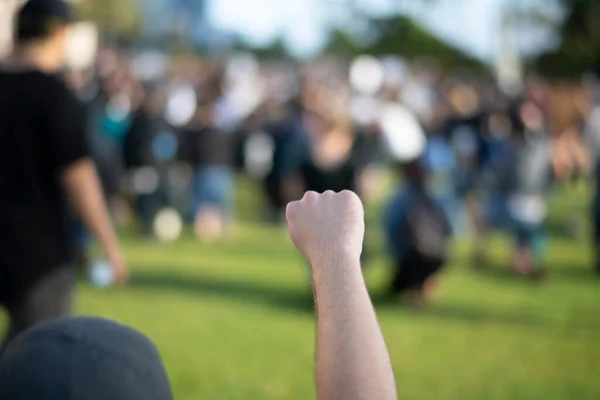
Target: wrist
point(336, 267)
point(111, 249)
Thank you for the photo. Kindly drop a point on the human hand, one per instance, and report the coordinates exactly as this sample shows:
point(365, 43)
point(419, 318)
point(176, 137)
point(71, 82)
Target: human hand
point(328, 226)
point(120, 271)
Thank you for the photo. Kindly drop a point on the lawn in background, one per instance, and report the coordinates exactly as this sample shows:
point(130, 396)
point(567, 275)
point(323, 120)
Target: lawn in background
point(235, 321)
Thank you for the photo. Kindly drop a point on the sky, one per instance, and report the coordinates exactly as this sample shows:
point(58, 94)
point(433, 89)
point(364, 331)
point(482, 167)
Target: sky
point(469, 24)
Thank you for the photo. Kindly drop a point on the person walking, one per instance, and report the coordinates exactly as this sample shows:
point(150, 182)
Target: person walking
point(45, 165)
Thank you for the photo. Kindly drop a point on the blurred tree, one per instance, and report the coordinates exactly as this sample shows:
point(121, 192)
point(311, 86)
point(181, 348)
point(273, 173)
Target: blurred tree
point(403, 36)
point(116, 18)
point(274, 50)
point(400, 35)
point(579, 51)
point(342, 43)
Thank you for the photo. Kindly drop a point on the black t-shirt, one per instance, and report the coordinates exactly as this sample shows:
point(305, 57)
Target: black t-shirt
point(338, 178)
point(208, 147)
point(465, 135)
point(42, 131)
point(139, 139)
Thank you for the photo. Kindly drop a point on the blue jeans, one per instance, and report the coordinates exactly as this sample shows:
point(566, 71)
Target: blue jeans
point(525, 234)
point(530, 235)
point(214, 186)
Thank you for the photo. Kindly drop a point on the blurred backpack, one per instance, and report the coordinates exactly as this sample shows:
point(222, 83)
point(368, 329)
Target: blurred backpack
point(426, 230)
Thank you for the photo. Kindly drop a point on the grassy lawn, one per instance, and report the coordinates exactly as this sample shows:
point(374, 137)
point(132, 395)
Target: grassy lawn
point(234, 320)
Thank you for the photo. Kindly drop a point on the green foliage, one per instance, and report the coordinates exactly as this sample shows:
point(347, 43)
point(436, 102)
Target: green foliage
point(274, 50)
point(117, 18)
point(579, 51)
point(401, 35)
point(342, 44)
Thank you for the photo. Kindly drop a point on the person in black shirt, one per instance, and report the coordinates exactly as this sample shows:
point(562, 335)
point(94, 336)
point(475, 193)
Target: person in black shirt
point(328, 156)
point(147, 124)
point(210, 149)
point(44, 164)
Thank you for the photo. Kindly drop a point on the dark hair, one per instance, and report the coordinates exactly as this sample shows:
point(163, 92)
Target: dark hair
point(413, 171)
point(31, 29)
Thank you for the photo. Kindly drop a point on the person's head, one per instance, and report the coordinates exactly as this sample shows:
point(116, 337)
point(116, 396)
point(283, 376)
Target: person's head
point(42, 27)
point(526, 116)
point(464, 99)
point(83, 358)
point(330, 115)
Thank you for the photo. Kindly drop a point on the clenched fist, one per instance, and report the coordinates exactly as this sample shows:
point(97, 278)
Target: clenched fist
point(328, 226)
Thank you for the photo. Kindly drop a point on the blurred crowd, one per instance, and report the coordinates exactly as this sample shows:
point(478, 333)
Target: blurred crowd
point(170, 133)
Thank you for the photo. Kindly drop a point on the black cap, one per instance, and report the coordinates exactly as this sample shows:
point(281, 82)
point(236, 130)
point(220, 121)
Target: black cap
point(83, 359)
point(46, 9)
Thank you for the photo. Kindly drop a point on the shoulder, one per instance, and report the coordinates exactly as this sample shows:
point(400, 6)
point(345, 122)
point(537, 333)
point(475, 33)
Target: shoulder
point(51, 86)
point(57, 88)
point(48, 90)
point(36, 78)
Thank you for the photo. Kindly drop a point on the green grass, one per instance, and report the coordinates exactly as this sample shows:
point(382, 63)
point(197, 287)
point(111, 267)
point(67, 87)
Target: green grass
point(234, 320)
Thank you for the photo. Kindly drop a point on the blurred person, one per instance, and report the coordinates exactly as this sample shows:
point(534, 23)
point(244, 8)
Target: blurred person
point(96, 359)
point(573, 157)
point(115, 122)
point(45, 162)
point(527, 178)
point(567, 110)
point(147, 123)
point(596, 217)
point(467, 128)
point(418, 231)
point(283, 134)
point(440, 161)
point(494, 182)
point(211, 147)
point(464, 131)
point(592, 135)
point(117, 101)
point(286, 134)
point(329, 153)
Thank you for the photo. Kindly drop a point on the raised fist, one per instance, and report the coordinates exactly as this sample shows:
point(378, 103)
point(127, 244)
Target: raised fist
point(326, 227)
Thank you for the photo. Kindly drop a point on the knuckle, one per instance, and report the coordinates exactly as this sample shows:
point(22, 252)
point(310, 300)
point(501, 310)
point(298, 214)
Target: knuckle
point(290, 210)
point(310, 196)
point(348, 195)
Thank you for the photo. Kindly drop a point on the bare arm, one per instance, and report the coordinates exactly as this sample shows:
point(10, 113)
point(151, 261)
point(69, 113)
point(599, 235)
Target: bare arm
point(352, 358)
point(85, 194)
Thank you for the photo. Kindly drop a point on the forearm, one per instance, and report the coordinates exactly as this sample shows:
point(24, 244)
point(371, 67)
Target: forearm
point(352, 359)
point(85, 194)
